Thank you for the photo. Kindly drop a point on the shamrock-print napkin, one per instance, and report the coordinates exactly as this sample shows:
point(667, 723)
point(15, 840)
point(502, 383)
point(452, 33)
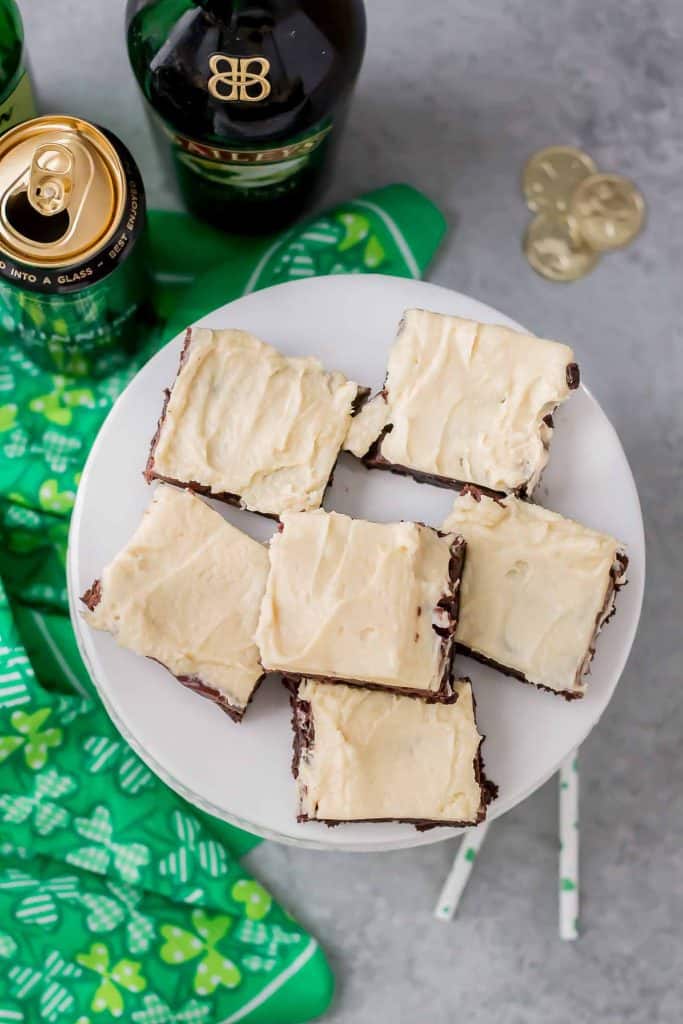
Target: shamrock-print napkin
point(117, 898)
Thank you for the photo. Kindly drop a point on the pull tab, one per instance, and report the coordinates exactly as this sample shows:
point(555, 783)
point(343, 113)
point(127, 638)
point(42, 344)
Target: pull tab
point(51, 179)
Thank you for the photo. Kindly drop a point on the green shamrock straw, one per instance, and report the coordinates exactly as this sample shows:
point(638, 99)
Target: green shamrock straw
point(454, 886)
point(469, 847)
point(569, 847)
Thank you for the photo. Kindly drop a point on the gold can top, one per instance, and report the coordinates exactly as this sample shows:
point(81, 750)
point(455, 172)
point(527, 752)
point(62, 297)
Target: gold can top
point(62, 191)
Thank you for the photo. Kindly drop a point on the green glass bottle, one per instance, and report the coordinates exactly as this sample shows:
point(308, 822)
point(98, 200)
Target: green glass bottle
point(251, 96)
point(16, 95)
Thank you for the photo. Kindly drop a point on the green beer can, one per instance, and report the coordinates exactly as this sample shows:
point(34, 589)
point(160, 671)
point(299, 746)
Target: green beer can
point(73, 268)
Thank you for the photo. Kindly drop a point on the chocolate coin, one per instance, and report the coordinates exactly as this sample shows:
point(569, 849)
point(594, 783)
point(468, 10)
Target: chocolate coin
point(551, 175)
point(555, 249)
point(609, 211)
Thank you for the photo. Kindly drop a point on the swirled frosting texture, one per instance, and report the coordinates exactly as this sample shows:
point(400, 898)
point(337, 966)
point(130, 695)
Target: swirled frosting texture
point(186, 590)
point(245, 420)
point(535, 587)
point(357, 601)
point(466, 401)
point(382, 755)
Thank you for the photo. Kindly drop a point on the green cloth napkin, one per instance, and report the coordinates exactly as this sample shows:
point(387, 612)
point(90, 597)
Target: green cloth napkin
point(117, 898)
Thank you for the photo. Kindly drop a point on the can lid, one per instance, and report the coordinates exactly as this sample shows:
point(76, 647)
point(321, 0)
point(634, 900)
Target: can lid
point(62, 191)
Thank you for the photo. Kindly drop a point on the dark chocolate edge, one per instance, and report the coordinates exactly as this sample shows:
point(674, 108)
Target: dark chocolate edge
point(92, 597)
point(515, 673)
point(373, 460)
point(609, 608)
point(359, 401)
point(199, 687)
point(150, 474)
point(206, 492)
point(602, 618)
point(304, 736)
point(450, 603)
point(362, 396)
point(440, 696)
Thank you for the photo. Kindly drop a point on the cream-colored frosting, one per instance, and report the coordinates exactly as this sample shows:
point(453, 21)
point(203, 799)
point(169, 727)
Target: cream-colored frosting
point(356, 600)
point(382, 755)
point(466, 401)
point(366, 426)
point(244, 419)
point(534, 587)
point(186, 590)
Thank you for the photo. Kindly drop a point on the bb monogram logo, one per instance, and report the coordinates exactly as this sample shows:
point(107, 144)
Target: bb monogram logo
point(238, 78)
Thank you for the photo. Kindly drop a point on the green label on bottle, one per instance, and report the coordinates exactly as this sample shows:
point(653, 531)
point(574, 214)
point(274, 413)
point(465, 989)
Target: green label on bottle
point(260, 172)
point(18, 106)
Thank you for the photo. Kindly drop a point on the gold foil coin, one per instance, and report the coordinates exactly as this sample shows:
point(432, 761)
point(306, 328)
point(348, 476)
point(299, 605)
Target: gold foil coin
point(555, 249)
point(551, 175)
point(609, 211)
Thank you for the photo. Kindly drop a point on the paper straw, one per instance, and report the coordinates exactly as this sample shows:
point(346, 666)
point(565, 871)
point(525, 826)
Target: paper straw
point(454, 886)
point(568, 799)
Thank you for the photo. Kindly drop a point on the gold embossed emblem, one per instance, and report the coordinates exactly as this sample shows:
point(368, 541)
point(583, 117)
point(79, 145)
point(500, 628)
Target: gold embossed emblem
point(238, 78)
point(609, 209)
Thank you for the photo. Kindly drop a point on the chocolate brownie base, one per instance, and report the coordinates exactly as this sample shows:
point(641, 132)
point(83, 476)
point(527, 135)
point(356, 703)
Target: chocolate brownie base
point(514, 673)
point(304, 738)
point(606, 613)
point(373, 460)
point(92, 597)
point(450, 603)
point(150, 474)
point(193, 683)
point(440, 696)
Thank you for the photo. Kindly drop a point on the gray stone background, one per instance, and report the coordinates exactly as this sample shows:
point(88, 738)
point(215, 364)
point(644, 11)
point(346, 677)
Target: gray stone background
point(453, 97)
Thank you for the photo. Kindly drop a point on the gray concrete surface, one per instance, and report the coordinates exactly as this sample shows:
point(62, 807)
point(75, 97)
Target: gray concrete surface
point(453, 96)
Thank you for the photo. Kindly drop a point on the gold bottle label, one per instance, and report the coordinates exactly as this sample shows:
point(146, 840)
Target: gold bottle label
point(19, 105)
point(238, 78)
point(250, 171)
point(273, 155)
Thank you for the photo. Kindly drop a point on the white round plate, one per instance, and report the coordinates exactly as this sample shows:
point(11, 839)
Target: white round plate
point(242, 772)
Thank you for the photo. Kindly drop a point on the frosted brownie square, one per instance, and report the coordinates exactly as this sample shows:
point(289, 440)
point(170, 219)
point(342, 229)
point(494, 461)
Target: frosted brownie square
point(465, 402)
point(185, 591)
point(247, 425)
point(364, 603)
point(536, 590)
point(364, 755)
